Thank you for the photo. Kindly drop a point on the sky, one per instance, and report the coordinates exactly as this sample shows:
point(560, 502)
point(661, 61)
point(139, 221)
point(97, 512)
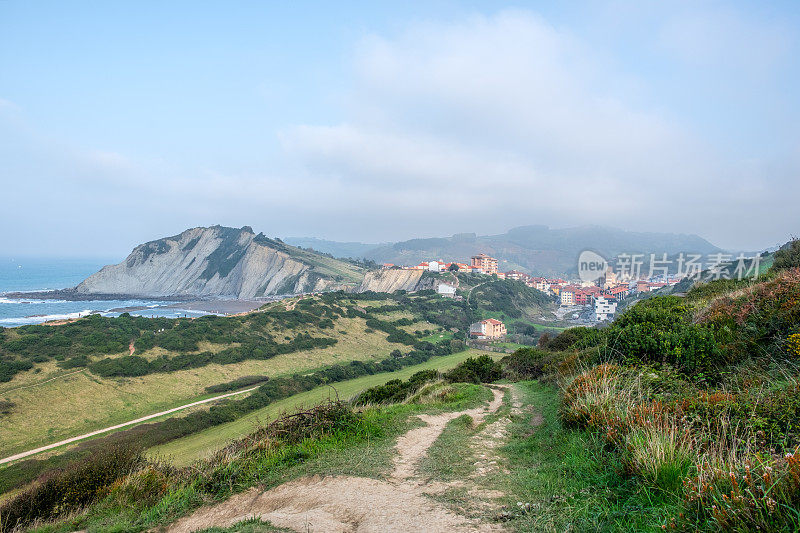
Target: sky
point(122, 122)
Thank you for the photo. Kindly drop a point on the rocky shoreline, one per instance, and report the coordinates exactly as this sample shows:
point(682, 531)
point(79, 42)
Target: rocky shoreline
point(72, 295)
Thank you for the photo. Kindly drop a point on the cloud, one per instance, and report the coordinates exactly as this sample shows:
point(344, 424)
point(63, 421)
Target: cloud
point(7, 104)
point(500, 108)
point(477, 124)
point(516, 117)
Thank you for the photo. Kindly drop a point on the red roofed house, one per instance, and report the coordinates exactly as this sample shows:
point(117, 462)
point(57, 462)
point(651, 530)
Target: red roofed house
point(581, 297)
point(517, 275)
point(619, 292)
point(490, 328)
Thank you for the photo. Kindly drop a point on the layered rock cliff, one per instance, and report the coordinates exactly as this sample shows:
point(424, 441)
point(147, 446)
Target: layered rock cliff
point(221, 262)
point(396, 280)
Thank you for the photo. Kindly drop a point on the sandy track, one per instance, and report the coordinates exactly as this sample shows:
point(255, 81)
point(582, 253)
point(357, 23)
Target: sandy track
point(344, 504)
point(414, 445)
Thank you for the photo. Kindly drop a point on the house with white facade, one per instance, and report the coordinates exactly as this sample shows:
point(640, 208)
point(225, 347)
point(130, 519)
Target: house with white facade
point(490, 328)
point(446, 290)
point(604, 308)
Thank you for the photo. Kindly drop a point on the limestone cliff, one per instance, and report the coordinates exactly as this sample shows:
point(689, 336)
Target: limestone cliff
point(395, 280)
point(221, 262)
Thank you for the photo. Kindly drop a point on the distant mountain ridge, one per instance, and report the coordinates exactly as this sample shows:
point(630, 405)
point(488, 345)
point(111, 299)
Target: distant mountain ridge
point(220, 262)
point(354, 250)
point(535, 249)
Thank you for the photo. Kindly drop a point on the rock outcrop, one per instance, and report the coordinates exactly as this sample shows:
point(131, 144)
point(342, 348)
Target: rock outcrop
point(391, 280)
point(220, 262)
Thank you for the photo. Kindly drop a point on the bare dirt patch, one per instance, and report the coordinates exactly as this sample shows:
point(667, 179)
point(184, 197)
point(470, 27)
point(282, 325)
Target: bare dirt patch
point(354, 504)
point(413, 446)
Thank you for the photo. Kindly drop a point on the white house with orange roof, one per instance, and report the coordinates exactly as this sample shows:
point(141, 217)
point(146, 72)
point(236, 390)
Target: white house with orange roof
point(491, 328)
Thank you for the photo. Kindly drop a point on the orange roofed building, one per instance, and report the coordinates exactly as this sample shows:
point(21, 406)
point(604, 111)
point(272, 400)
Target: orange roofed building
point(491, 328)
point(484, 263)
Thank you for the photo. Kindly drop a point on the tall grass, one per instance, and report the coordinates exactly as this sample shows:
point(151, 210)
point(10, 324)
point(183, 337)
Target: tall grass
point(695, 450)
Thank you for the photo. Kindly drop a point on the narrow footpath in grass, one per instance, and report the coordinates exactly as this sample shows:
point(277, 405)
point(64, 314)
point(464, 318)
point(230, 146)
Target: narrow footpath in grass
point(348, 503)
point(183, 451)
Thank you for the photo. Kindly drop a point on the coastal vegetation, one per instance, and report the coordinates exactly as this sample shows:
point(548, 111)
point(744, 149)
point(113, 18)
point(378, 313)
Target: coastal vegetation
point(295, 346)
point(683, 412)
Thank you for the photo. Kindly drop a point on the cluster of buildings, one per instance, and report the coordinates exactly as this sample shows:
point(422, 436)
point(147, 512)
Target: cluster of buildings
point(603, 297)
point(480, 264)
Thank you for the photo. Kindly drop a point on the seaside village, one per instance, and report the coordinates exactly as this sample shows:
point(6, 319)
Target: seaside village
point(596, 300)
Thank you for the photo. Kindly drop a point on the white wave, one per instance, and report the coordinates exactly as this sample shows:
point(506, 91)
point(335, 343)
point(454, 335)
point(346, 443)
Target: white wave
point(25, 301)
point(44, 318)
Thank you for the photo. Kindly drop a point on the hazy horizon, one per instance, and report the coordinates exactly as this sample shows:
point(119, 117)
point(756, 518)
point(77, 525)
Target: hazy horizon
point(123, 123)
point(112, 258)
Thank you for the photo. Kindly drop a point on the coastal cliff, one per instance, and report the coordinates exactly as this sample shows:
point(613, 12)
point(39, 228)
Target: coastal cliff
point(221, 262)
point(396, 280)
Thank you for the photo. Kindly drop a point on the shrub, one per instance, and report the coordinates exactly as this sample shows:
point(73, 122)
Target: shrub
point(127, 365)
point(396, 390)
point(483, 369)
point(758, 494)
point(62, 492)
point(6, 407)
point(238, 383)
point(74, 362)
point(528, 363)
point(788, 256)
point(573, 338)
point(600, 396)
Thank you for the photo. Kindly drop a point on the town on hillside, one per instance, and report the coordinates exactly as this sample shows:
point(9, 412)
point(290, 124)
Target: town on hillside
point(596, 301)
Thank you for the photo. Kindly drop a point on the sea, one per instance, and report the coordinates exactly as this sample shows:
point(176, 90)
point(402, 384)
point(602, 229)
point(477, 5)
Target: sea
point(45, 274)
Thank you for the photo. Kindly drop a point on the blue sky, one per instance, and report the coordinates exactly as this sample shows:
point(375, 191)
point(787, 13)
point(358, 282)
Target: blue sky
point(121, 122)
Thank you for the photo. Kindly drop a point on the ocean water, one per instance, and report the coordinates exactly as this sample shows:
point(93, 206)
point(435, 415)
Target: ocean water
point(32, 275)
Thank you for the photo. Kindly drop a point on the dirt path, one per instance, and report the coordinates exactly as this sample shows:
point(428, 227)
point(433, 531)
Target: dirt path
point(292, 304)
point(344, 504)
point(118, 426)
point(485, 444)
point(469, 294)
point(131, 348)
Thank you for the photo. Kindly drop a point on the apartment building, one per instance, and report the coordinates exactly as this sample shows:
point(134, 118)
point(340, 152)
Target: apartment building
point(490, 328)
point(484, 263)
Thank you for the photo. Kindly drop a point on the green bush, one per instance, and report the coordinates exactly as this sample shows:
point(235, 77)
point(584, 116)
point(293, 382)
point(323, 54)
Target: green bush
point(396, 390)
point(528, 363)
point(572, 339)
point(61, 492)
point(788, 256)
point(476, 370)
point(238, 383)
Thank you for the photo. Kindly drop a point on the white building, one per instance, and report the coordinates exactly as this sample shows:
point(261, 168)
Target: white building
point(435, 266)
point(604, 308)
point(446, 290)
point(567, 297)
point(490, 328)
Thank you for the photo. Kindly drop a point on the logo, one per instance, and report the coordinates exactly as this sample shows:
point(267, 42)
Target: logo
point(591, 266)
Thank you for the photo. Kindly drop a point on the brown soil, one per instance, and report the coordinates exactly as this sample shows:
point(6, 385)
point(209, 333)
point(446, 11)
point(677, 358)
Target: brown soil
point(354, 504)
point(485, 444)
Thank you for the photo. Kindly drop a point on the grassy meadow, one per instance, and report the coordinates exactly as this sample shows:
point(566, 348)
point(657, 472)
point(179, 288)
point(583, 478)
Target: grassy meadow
point(82, 402)
point(183, 451)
